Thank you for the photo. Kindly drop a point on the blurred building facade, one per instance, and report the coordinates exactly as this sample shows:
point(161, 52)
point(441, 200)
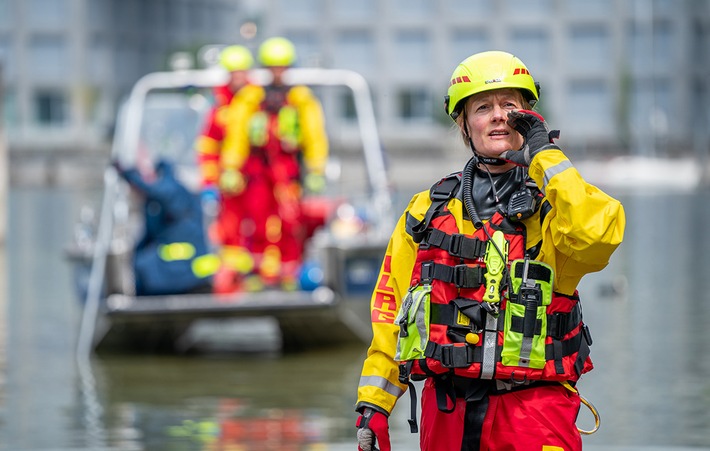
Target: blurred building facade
point(67, 63)
point(617, 75)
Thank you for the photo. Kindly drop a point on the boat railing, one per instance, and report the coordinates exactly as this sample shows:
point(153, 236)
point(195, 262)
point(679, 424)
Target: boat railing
point(127, 139)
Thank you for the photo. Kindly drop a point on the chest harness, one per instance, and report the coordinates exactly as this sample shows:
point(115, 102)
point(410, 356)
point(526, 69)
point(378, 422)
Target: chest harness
point(480, 307)
point(276, 122)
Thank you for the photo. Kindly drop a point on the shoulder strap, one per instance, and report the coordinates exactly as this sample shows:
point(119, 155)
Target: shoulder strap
point(440, 194)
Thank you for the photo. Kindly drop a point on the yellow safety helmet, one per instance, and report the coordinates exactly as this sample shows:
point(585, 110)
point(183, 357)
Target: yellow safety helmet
point(236, 57)
point(487, 71)
point(277, 52)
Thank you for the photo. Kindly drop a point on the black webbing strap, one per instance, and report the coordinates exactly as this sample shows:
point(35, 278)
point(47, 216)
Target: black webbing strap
point(463, 276)
point(413, 408)
point(452, 356)
point(535, 272)
point(558, 324)
point(440, 193)
point(463, 355)
point(583, 349)
point(445, 393)
point(456, 244)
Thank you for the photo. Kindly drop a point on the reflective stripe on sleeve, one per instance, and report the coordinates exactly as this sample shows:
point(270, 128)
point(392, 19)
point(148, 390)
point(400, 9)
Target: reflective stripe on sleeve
point(554, 170)
point(381, 383)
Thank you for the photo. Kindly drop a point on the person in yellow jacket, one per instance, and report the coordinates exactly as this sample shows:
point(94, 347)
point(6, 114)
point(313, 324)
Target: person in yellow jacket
point(222, 186)
point(277, 143)
point(477, 294)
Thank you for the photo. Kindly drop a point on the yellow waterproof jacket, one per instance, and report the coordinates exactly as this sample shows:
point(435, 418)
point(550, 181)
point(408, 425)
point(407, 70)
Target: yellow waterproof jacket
point(313, 138)
point(579, 234)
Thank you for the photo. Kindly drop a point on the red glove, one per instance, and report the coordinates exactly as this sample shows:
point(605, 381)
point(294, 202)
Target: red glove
point(538, 137)
point(373, 429)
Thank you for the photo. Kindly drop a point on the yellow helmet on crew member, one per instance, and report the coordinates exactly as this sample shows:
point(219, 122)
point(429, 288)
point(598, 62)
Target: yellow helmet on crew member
point(487, 71)
point(236, 57)
point(278, 52)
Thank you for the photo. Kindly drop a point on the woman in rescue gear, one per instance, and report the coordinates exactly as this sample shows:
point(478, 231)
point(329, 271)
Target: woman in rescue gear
point(222, 185)
point(477, 294)
point(279, 147)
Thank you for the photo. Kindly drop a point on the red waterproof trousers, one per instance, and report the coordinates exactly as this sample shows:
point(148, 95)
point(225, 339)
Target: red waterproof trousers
point(540, 418)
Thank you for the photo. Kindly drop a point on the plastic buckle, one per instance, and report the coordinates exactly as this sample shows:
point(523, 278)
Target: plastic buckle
point(427, 272)
point(455, 244)
point(556, 328)
point(460, 272)
point(447, 357)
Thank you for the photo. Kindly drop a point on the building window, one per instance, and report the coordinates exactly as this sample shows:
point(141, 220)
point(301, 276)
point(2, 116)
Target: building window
point(585, 8)
point(590, 108)
point(301, 10)
point(472, 9)
point(354, 10)
point(346, 109)
point(467, 42)
point(347, 106)
point(529, 8)
point(48, 13)
point(49, 58)
point(531, 46)
point(589, 48)
point(413, 51)
point(413, 9)
point(307, 49)
point(50, 108)
point(414, 104)
point(356, 50)
point(651, 46)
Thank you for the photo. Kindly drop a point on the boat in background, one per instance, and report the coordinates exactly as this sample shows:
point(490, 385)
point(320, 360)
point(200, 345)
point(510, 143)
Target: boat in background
point(161, 119)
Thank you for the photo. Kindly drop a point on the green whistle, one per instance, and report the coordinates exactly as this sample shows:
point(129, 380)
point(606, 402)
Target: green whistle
point(495, 259)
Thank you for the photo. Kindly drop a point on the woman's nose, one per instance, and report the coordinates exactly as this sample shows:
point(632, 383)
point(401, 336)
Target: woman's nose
point(499, 114)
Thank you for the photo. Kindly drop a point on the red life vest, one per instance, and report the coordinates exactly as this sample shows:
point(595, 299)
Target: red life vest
point(455, 320)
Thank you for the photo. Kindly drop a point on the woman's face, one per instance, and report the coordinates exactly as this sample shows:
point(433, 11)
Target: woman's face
point(486, 115)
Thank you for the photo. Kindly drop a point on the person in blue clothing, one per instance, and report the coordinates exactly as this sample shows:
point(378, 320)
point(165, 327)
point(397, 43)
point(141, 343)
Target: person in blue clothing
point(172, 255)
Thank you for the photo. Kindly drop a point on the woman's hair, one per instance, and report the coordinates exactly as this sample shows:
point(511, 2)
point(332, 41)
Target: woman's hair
point(460, 118)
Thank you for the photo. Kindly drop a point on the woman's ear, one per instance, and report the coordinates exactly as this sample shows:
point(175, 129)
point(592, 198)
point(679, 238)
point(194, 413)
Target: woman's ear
point(460, 123)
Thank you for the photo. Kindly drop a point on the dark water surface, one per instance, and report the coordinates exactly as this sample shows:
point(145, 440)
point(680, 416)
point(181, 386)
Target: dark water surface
point(648, 312)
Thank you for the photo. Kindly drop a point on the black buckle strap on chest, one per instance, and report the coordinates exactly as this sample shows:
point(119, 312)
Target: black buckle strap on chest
point(558, 324)
point(462, 276)
point(440, 193)
point(452, 356)
point(457, 244)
